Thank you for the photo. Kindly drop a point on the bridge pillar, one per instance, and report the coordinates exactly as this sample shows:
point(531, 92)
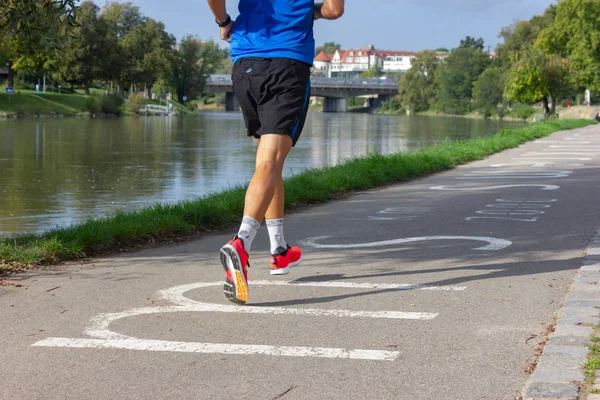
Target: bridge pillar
point(335, 105)
point(231, 102)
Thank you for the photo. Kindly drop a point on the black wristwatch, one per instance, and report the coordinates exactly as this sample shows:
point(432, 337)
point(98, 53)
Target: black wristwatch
point(224, 23)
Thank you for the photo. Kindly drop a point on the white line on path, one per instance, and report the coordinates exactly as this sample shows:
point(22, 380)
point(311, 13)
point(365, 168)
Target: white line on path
point(562, 153)
point(450, 188)
point(103, 337)
point(216, 348)
point(551, 158)
point(494, 243)
point(354, 285)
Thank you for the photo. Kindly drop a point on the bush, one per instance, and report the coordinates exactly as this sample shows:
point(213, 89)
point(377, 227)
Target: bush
point(220, 99)
point(522, 111)
point(92, 104)
point(111, 103)
point(136, 103)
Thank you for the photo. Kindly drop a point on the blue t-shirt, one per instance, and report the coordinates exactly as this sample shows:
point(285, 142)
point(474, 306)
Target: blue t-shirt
point(274, 29)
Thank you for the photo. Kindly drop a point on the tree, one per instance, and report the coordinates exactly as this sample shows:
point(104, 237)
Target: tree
point(31, 32)
point(35, 20)
point(418, 86)
point(471, 43)
point(329, 47)
point(457, 76)
point(147, 48)
point(539, 77)
point(193, 60)
point(81, 60)
point(374, 72)
point(521, 35)
point(575, 35)
point(488, 90)
point(120, 19)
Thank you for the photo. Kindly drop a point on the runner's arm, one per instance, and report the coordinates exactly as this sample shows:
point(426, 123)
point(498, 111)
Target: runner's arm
point(220, 11)
point(329, 9)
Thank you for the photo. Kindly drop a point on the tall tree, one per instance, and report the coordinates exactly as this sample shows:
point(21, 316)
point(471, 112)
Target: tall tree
point(521, 35)
point(31, 32)
point(147, 48)
point(418, 86)
point(575, 35)
point(192, 62)
point(539, 77)
point(457, 76)
point(120, 19)
point(471, 43)
point(82, 58)
point(329, 47)
point(488, 90)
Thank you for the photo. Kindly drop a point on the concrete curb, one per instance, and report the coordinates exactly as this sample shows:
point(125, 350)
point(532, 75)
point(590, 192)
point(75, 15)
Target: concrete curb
point(559, 374)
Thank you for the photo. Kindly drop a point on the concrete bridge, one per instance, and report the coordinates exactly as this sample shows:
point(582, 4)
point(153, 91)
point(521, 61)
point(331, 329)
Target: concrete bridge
point(336, 91)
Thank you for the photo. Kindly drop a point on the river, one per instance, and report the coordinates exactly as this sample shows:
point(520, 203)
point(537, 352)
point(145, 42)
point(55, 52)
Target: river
point(54, 172)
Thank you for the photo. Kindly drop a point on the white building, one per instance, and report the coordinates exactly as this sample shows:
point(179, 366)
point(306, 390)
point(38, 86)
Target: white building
point(351, 63)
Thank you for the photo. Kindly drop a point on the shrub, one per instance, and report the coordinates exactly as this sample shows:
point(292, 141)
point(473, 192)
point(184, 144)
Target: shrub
point(111, 103)
point(136, 102)
point(522, 111)
point(92, 104)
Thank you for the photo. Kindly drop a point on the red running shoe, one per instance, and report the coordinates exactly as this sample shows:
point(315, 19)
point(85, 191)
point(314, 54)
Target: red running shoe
point(235, 262)
point(284, 259)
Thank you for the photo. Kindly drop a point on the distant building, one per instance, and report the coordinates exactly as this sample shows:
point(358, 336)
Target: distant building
point(351, 63)
point(322, 63)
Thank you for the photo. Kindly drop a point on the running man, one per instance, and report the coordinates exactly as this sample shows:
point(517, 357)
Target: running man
point(273, 48)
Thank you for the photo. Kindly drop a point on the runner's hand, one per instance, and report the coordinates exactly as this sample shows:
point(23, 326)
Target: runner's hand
point(226, 32)
point(318, 14)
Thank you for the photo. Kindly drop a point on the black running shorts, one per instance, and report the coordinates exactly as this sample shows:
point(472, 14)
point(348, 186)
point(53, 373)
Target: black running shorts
point(273, 94)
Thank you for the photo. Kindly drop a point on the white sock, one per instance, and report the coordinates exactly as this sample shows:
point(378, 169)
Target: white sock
point(248, 231)
point(275, 228)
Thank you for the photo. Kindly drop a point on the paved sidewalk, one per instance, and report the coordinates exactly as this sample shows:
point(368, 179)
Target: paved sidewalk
point(441, 288)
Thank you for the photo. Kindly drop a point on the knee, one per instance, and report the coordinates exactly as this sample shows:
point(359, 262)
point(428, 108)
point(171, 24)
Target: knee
point(266, 167)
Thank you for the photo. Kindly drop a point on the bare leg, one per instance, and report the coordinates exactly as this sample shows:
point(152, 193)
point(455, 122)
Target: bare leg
point(265, 195)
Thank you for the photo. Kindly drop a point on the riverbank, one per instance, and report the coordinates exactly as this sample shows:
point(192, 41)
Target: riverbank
point(163, 223)
point(28, 104)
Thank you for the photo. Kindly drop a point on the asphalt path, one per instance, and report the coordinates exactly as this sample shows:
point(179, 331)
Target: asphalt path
point(440, 288)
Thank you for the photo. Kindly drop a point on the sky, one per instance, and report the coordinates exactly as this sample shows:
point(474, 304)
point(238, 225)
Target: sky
point(408, 25)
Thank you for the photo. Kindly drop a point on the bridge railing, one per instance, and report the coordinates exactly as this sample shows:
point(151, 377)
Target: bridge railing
point(225, 80)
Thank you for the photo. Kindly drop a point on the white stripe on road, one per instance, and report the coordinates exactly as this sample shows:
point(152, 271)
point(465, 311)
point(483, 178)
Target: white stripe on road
point(568, 152)
point(494, 243)
point(543, 187)
point(550, 158)
point(217, 348)
point(355, 285)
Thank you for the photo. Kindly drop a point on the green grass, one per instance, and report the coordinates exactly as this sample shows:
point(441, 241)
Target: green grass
point(29, 103)
point(218, 210)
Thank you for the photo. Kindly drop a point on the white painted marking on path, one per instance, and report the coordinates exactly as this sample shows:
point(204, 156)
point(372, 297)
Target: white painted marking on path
point(454, 188)
point(103, 337)
point(355, 285)
point(562, 153)
point(494, 243)
point(543, 141)
point(551, 158)
point(217, 348)
point(536, 164)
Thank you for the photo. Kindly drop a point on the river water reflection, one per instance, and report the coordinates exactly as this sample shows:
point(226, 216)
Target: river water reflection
point(59, 171)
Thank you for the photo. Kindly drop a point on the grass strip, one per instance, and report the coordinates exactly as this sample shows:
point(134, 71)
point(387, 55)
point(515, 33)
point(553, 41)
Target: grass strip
point(164, 221)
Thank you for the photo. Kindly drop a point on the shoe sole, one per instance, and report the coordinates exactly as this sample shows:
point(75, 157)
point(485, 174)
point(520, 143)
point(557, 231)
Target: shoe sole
point(236, 292)
point(286, 270)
